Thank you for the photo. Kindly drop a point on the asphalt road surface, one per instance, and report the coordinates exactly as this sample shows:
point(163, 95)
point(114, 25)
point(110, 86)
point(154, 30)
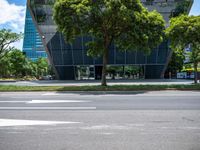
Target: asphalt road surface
point(162, 120)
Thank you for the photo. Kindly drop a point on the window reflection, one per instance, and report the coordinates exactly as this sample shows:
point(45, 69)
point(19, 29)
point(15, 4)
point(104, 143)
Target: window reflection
point(41, 14)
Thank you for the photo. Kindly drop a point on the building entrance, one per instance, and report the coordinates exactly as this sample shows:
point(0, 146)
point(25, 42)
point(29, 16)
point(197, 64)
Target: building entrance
point(113, 72)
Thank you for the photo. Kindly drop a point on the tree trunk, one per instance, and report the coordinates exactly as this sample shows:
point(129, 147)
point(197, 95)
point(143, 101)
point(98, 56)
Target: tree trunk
point(104, 70)
point(195, 72)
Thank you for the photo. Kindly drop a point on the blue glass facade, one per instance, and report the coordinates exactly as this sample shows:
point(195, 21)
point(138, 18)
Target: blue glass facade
point(32, 46)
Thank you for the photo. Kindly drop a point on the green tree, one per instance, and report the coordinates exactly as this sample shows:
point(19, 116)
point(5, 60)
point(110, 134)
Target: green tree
point(5, 66)
point(29, 67)
point(183, 31)
point(42, 66)
point(126, 23)
point(178, 57)
point(33, 68)
point(7, 37)
point(176, 62)
point(18, 63)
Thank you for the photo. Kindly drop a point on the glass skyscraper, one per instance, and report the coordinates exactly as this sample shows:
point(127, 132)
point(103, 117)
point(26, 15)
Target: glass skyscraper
point(32, 46)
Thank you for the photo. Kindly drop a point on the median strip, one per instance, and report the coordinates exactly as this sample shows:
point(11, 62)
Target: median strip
point(11, 88)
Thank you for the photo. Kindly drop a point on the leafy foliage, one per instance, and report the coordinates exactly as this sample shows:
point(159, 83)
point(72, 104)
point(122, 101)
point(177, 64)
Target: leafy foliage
point(177, 61)
point(183, 31)
point(15, 64)
point(126, 23)
point(42, 66)
point(18, 63)
point(7, 37)
point(178, 57)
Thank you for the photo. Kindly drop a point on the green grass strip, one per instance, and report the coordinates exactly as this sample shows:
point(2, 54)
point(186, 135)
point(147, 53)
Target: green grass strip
point(11, 88)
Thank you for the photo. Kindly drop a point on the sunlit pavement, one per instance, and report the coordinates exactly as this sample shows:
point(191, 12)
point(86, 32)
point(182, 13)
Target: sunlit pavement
point(96, 82)
point(163, 120)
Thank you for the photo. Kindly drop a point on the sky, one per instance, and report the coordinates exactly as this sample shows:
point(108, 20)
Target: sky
point(12, 15)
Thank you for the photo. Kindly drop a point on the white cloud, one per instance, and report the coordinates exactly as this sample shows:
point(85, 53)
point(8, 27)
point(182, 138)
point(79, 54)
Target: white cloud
point(12, 17)
point(18, 44)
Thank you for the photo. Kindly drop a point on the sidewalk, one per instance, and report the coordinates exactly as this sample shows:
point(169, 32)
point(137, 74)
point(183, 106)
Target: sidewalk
point(97, 82)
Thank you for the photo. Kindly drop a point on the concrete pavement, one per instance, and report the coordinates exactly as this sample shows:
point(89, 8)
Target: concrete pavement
point(96, 82)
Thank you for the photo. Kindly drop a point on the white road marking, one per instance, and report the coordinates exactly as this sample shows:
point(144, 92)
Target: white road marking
point(15, 122)
point(48, 108)
point(106, 133)
point(13, 101)
point(149, 94)
point(50, 94)
point(54, 93)
point(20, 97)
point(46, 101)
point(106, 127)
point(56, 101)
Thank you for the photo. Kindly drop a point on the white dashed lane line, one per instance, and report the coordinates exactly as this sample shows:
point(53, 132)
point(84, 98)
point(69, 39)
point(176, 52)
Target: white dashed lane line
point(56, 101)
point(15, 122)
point(13, 101)
point(46, 101)
point(48, 108)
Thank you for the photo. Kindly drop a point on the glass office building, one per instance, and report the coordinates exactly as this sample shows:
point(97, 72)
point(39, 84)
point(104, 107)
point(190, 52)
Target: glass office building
point(32, 46)
point(65, 57)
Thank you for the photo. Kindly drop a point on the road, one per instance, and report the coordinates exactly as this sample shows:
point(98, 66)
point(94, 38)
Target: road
point(162, 120)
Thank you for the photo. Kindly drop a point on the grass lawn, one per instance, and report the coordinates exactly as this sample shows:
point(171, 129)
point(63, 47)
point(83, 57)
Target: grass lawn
point(10, 88)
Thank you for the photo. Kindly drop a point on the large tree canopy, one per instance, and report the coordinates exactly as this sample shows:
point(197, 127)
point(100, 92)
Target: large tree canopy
point(7, 37)
point(16, 64)
point(124, 22)
point(183, 31)
point(178, 57)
